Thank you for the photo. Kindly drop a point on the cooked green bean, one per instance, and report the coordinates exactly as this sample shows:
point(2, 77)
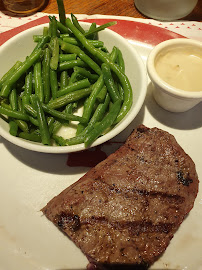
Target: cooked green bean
point(68, 98)
point(59, 140)
point(46, 75)
point(97, 116)
point(102, 94)
point(43, 126)
point(13, 128)
point(22, 125)
point(38, 83)
point(63, 29)
point(55, 54)
point(34, 121)
point(67, 57)
point(86, 73)
point(28, 83)
point(71, 64)
point(30, 136)
point(73, 41)
point(30, 110)
point(10, 72)
point(13, 99)
point(97, 29)
point(41, 44)
point(61, 10)
point(77, 24)
point(53, 83)
point(13, 114)
point(64, 79)
point(63, 116)
point(74, 87)
point(109, 82)
point(11, 80)
point(105, 123)
point(92, 98)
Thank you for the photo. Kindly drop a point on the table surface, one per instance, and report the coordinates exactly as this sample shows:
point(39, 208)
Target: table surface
point(107, 7)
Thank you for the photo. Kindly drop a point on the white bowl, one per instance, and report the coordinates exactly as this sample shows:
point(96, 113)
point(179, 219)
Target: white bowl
point(167, 96)
point(21, 45)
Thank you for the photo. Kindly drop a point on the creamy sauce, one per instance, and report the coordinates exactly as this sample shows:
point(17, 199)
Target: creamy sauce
point(181, 67)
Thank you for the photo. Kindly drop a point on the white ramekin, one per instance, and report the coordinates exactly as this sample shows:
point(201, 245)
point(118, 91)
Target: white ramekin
point(167, 96)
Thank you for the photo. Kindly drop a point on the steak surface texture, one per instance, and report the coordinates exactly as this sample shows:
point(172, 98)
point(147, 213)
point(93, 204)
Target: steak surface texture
point(127, 208)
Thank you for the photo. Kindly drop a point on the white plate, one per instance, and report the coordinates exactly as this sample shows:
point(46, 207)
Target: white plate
point(29, 180)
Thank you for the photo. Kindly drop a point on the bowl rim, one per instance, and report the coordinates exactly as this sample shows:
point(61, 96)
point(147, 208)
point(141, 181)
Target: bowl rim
point(156, 79)
point(37, 147)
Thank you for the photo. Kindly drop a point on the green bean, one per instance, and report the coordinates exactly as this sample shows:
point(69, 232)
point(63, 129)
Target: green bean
point(73, 77)
point(74, 87)
point(64, 79)
point(92, 98)
point(109, 82)
point(45, 31)
point(34, 121)
point(68, 98)
point(41, 44)
point(56, 126)
point(54, 27)
point(114, 54)
point(43, 126)
point(13, 99)
point(69, 110)
point(13, 128)
point(102, 94)
point(128, 94)
point(28, 83)
point(120, 60)
point(8, 84)
point(105, 123)
point(30, 136)
point(30, 110)
point(63, 29)
point(77, 24)
point(55, 54)
point(50, 121)
point(46, 75)
point(22, 125)
point(97, 116)
point(93, 36)
point(69, 48)
point(53, 83)
point(73, 41)
point(67, 57)
point(84, 72)
point(59, 140)
point(13, 114)
point(20, 106)
point(63, 116)
point(71, 64)
point(80, 127)
point(61, 10)
point(38, 84)
point(5, 105)
point(25, 100)
point(97, 29)
point(64, 35)
point(10, 72)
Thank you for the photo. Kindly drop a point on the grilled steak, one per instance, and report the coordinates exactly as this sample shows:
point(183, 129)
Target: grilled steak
point(126, 209)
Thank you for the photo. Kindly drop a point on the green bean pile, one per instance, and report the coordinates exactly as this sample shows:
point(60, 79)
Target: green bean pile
point(69, 68)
